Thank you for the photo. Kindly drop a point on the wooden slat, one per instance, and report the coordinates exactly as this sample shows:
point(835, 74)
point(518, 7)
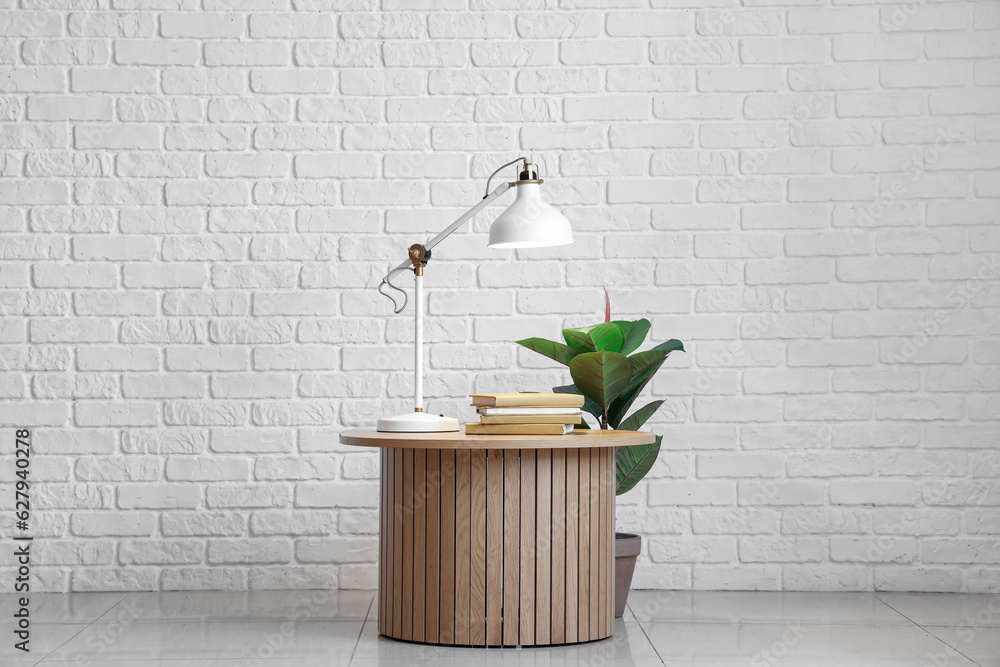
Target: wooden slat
point(584, 563)
point(419, 541)
point(610, 507)
point(432, 562)
point(559, 546)
point(572, 544)
point(595, 542)
point(526, 598)
point(406, 632)
point(446, 626)
point(389, 519)
point(463, 546)
point(477, 594)
point(397, 542)
point(602, 594)
point(382, 535)
point(543, 559)
point(511, 539)
point(494, 546)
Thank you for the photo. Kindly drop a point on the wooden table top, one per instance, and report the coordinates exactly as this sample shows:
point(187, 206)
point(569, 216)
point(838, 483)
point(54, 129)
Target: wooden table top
point(369, 437)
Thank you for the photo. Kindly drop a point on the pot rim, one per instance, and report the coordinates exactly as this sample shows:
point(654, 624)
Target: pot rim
point(627, 545)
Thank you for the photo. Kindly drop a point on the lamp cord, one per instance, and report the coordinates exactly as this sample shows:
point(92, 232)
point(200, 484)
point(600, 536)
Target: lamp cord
point(501, 167)
point(387, 281)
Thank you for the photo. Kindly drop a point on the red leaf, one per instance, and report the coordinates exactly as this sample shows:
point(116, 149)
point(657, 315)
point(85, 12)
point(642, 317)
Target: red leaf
point(607, 306)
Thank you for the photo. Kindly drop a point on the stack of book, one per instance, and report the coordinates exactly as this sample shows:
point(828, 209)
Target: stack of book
point(526, 414)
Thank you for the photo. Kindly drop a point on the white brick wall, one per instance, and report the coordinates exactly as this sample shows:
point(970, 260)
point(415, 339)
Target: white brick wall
point(198, 196)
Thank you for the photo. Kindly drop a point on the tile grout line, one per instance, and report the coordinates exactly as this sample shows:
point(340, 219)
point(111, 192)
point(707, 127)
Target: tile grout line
point(645, 634)
point(929, 633)
point(364, 624)
point(82, 630)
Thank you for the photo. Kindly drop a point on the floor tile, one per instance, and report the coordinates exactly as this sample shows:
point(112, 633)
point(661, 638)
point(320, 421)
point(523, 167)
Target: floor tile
point(981, 644)
point(45, 638)
point(628, 646)
point(304, 605)
point(762, 607)
point(796, 644)
point(951, 609)
point(203, 640)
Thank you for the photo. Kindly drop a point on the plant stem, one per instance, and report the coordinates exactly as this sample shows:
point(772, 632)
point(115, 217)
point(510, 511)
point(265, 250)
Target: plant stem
point(604, 418)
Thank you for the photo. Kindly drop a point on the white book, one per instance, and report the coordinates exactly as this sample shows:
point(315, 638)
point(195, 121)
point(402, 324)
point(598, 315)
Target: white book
point(530, 411)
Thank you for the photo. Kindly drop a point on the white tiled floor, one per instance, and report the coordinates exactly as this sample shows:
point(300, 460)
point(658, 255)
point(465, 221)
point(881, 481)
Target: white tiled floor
point(676, 629)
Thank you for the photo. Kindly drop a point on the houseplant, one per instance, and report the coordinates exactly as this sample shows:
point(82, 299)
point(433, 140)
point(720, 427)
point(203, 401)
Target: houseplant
point(607, 370)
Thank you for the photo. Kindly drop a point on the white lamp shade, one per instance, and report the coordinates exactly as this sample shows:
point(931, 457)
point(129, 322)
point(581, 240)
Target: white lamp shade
point(530, 223)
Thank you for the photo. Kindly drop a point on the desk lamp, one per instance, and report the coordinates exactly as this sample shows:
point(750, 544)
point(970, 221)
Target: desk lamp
point(527, 223)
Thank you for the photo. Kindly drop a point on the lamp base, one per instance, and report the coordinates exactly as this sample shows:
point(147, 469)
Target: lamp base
point(417, 422)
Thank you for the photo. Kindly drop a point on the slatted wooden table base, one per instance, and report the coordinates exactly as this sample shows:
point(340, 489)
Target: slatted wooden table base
point(496, 546)
point(498, 551)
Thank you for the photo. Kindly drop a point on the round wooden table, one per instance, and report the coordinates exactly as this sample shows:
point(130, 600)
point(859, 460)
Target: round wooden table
point(496, 540)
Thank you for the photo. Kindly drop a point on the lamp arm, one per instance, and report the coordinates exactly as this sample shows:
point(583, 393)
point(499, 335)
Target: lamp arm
point(465, 217)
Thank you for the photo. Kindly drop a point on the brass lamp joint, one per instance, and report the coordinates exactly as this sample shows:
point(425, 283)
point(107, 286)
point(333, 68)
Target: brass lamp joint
point(419, 256)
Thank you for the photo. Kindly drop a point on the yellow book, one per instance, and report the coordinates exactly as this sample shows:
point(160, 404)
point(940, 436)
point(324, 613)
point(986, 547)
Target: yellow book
point(493, 412)
point(518, 429)
point(530, 419)
point(528, 399)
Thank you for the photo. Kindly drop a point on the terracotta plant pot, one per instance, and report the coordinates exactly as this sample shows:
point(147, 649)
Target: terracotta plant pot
point(626, 551)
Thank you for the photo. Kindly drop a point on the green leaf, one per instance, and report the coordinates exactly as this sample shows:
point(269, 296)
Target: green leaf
point(643, 371)
point(635, 420)
point(601, 376)
point(604, 337)
point(588, 404)
point(671, 345)
point(618, 408)
point(635, 334)
point(632, 463)
point(556, 351)
point(642, 360)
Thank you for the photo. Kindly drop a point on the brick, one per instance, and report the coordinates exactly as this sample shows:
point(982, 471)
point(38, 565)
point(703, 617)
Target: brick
point(112, 24)
point(716, 22)
point(691, 52)
point(981, 45)
point(472, 82)
point(65, 52)
point(321, 54)
point(251, 54)
point(762, 51)
point(203, 25)
point(839, 20)
point(878, 47)
point(285, 81)
point(741, 79)
point(922, 75)
point(302, 26)
point(462, 26)
point(146, 52)
point(425, 54)
point(832, 77)
point(855, 105)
